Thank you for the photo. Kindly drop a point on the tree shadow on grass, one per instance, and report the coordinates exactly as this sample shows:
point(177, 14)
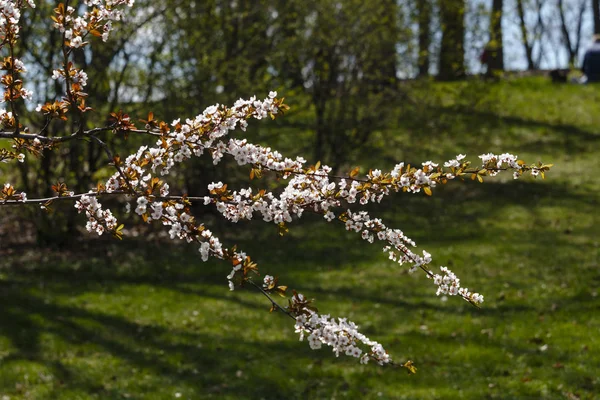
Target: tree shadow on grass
point(173, 355)
point(565, 138)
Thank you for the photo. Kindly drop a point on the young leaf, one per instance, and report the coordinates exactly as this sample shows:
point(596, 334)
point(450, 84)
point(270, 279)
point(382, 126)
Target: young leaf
point(283, 229)
point(410, 366)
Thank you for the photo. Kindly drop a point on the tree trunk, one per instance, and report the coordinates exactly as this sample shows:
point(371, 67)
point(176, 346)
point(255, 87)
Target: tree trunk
point(380, 68)
point(321, 132)
point(572, 44)
point(452, 53)
point(565, 32)
point(524, 36)
point(424, 10)
point(495, 45)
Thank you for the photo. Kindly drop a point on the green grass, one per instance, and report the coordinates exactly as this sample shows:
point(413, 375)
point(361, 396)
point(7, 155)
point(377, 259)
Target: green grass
point(147, 321)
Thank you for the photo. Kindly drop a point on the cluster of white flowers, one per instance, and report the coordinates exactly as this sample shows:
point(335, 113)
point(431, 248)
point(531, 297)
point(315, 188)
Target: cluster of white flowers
point(268, 281)
point(503, 160)
point(293, 201)
point(316, 189)
point(341, 335)
point(449, 284)
point(475, 298)
point(13, 66)
point(98, 219)
point(371, 228)
point(6, 117)
point(24, 93)
point(170, 214)
point(77, 76)
point(20, 157)
point(182, 226)
point(190, 138)
point(455, 162)
point(97, 20)
point(246, 153)
point(10, 14)
point(239, 258)
point(80, 77)
point(210, 243)
point(19, 66)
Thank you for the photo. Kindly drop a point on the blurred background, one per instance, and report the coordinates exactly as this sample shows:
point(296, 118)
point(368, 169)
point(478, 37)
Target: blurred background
point(370, 83)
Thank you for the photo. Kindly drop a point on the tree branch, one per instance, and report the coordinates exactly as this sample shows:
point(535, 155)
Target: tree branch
point(111, 158)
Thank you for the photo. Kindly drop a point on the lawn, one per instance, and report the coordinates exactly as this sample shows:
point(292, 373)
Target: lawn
point(117, 320)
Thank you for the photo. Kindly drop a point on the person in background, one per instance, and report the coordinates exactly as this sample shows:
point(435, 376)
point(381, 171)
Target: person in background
point(484, 59)
point(591, 61)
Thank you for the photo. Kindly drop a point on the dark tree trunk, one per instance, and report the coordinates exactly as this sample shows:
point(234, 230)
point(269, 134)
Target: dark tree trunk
point(388, 38)
point(424, 10)
point(495, 46)
point(572, 44)
point(525, 36)
point(320, 130)
point(452, 52)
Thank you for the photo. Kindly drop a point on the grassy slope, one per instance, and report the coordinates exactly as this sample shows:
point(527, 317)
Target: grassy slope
point(152, 323)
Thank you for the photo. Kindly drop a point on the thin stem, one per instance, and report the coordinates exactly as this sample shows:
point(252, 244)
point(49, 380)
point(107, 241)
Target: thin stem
point(273, 302)
point(111, 157)
point(96, 194)
point(54, 198)
point(467, 171)
point(12, 87)
point(46, 125)
point(60, 139)
point(66, 54)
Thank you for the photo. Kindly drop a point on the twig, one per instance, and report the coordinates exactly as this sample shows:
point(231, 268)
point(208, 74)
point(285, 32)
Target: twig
point(273, 302)
point(96, 194)
point(60, 139)
point(12, 88)
point(111, 157)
